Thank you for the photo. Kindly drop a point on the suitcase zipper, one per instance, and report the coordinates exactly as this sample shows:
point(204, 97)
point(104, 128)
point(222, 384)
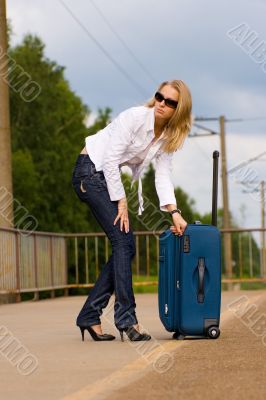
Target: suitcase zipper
point(178, 243)
point(166, 285)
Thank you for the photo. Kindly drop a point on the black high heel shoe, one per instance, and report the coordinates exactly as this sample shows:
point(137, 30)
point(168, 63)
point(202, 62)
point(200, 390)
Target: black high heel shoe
point(133, 334)
point(94, 335)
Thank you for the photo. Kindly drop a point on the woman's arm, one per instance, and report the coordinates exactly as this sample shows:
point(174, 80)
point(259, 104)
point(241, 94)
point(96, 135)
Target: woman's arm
point(163, 183)
point(165, 191)
point(121, 129)
point(119, 140)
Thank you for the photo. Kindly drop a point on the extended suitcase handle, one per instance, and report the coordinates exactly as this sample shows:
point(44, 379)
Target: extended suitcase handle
point(215, 156)
point(201, 272)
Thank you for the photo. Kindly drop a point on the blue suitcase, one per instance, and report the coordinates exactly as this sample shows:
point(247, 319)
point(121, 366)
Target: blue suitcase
point(190, 276)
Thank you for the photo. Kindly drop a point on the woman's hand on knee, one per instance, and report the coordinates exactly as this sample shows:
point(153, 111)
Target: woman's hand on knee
point(122, 214)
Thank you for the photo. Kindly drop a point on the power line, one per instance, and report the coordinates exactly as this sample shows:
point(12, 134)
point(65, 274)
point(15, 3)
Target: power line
point(212, 132)
point(244, 163)
point(206, 119)
point(245, 119)
point(229, 120)
point(104, 51)
point(193, 135)
point(195, 142)
point(122, 41)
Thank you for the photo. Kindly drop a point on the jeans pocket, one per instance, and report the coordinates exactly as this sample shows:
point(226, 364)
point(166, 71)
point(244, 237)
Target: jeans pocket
point(95, 181)
point(81, 171)
point(85, 178)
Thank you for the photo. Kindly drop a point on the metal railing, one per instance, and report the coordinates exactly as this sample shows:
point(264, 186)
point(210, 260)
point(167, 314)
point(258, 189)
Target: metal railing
point(32, 262)
point(46, 261)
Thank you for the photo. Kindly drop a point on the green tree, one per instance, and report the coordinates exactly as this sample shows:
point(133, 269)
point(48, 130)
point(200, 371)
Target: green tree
point(102, 120)
point(47, 135)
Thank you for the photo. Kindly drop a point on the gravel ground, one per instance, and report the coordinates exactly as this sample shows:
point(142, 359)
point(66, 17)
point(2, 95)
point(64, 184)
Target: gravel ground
point(232, 367)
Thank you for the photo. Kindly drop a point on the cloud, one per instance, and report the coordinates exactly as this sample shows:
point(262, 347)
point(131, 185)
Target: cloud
point(174, 39)
point(183, 39)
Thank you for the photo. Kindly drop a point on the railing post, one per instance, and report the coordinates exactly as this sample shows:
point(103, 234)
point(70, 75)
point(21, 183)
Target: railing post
point(96, 256)
point(36, 292)
point(137, 255)
point(86, 260)
point(148, 255)
point(18, 296)
point(76, 260)
point(250, 255)
point(106, 249)
point(240, 255)
point(66, 268)
point(52, 265)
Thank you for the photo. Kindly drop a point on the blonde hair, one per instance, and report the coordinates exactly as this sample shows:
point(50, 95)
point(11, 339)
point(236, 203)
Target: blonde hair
point(180, 123)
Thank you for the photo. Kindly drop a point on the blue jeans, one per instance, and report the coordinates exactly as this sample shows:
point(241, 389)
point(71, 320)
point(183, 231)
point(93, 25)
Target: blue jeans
point(116, 275)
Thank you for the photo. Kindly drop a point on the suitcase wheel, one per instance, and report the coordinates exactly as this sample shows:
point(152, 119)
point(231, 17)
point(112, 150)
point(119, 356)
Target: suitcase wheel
point(178, 336)
point(213, 332)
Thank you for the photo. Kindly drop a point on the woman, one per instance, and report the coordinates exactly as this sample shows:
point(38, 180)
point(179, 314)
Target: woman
point(134, 138)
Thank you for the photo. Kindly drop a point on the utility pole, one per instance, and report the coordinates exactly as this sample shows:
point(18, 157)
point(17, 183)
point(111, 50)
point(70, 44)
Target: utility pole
point(263, 253)
point(226, 215)
point(6, 190)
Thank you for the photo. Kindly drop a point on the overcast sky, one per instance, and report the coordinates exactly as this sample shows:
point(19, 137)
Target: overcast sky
point(172, 39)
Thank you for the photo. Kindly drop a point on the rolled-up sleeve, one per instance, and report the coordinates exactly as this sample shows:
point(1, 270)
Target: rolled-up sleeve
point(163, 183)
point(120, 136)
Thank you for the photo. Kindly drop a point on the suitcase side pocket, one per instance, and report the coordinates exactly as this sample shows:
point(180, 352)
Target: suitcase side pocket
point(164, 279)
point(164, 309)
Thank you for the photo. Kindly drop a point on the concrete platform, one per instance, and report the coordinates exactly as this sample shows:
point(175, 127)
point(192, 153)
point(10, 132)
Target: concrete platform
point(56, 364)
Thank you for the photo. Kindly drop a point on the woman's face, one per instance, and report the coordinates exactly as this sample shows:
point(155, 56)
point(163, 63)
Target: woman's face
point(161, 110)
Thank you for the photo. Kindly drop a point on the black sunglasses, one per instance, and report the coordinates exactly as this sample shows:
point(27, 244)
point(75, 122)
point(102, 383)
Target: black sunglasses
point(168, 102)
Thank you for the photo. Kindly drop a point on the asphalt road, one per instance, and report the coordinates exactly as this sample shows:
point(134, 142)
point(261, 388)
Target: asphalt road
point(67, 368)
point(232, 367)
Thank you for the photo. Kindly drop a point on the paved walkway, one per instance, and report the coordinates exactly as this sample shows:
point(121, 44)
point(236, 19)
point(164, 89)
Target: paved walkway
point(56, 364)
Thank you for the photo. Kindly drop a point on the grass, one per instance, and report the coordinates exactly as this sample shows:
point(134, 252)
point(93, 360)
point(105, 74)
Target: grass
point(145, 288)
point(253, 286)
point(154, 288)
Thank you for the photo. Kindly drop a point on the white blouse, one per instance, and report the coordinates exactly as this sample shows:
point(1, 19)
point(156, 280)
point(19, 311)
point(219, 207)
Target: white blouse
point(140, 157)
point(129, 140)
